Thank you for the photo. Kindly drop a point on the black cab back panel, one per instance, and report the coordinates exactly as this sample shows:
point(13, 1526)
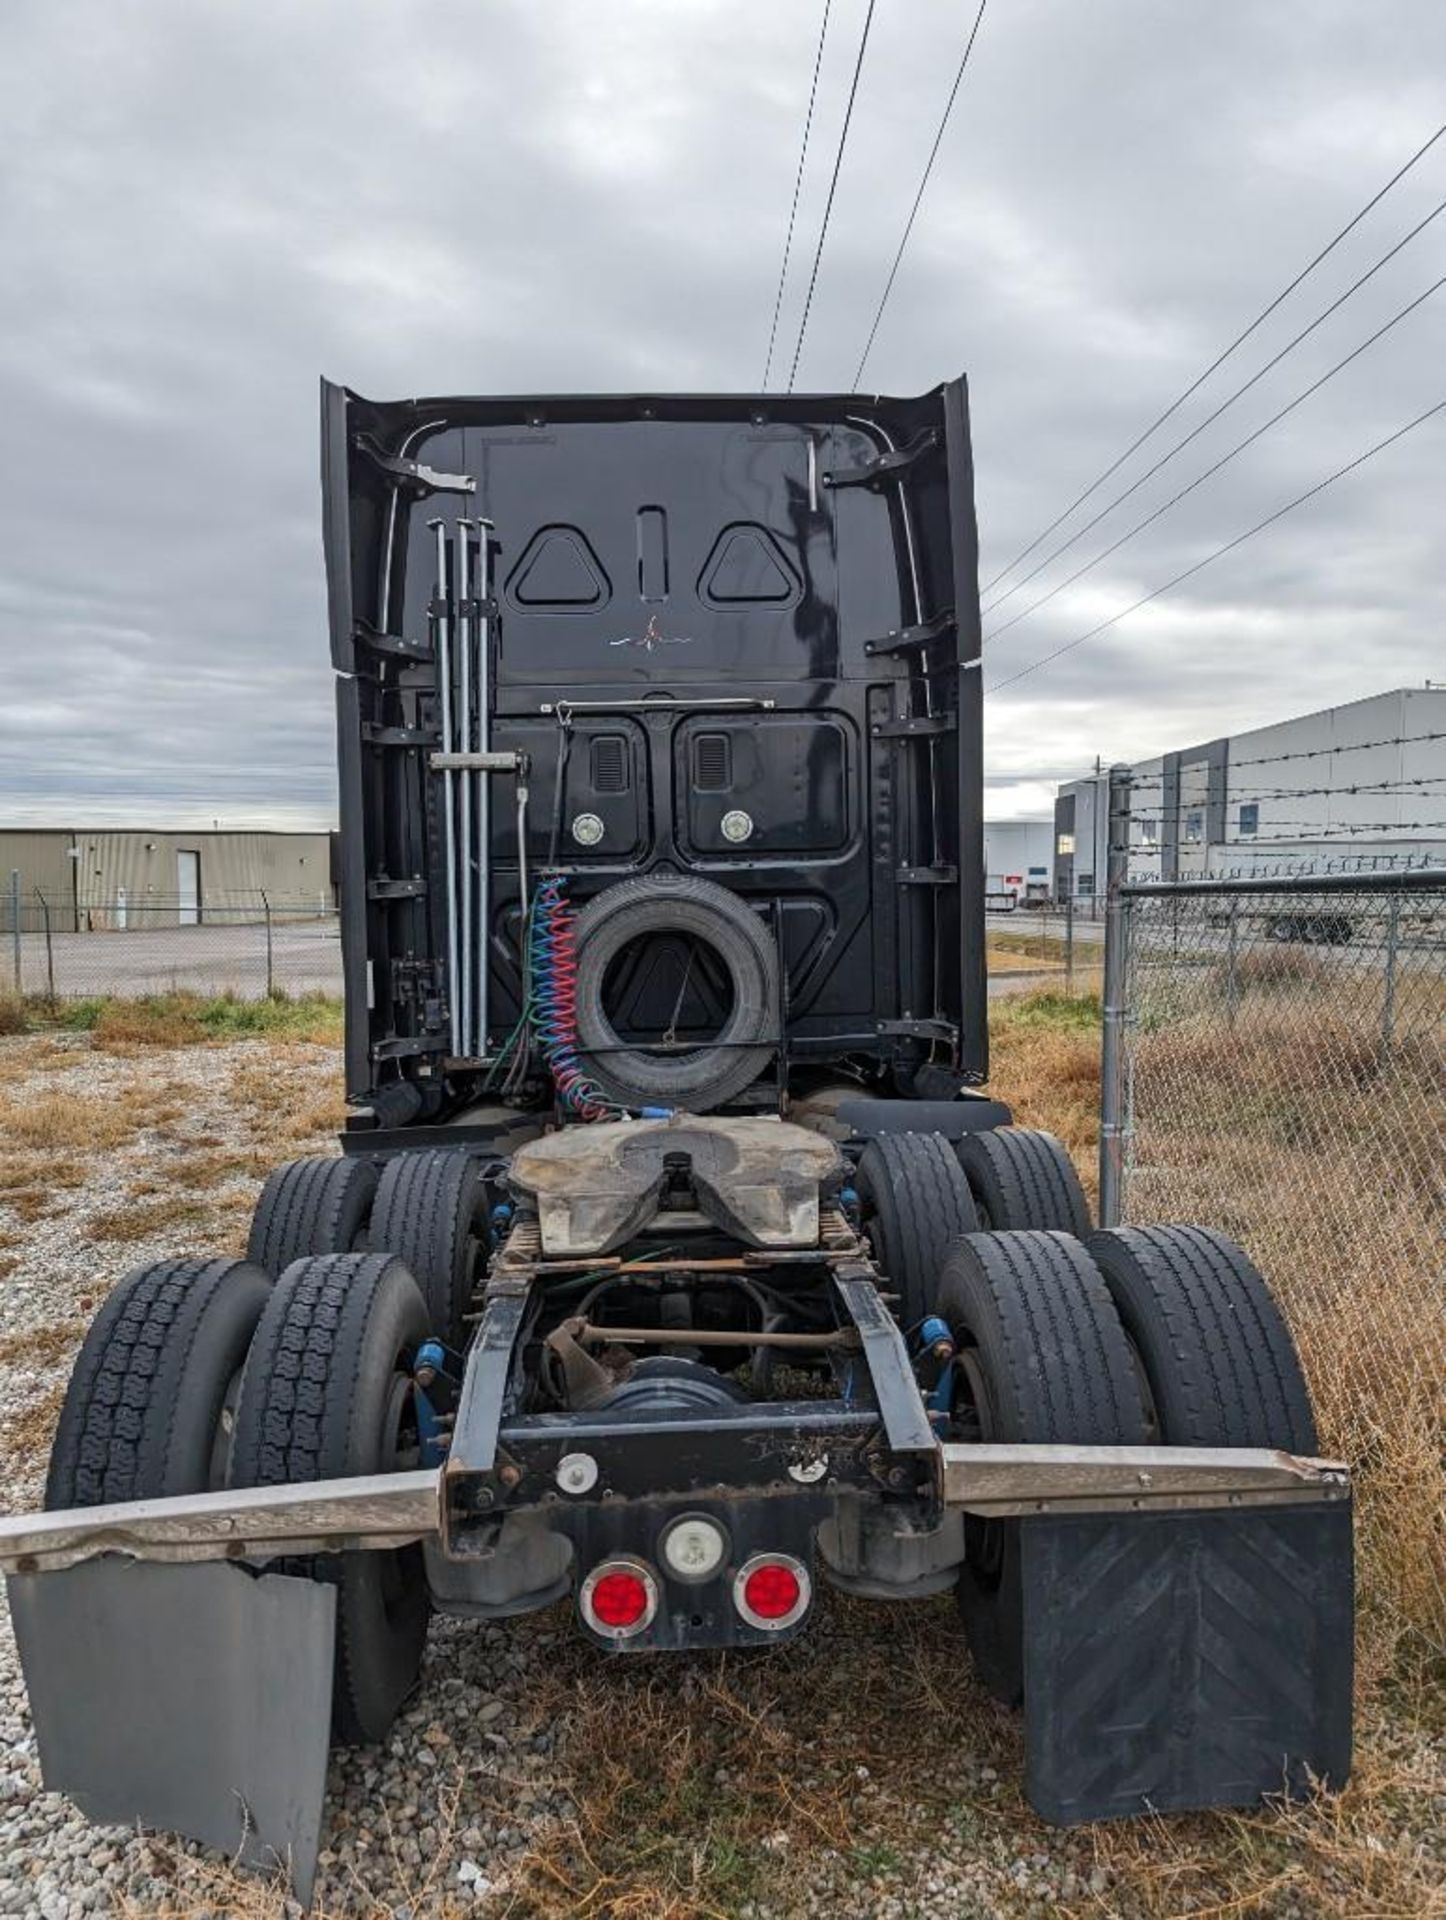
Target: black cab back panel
point(759, 618)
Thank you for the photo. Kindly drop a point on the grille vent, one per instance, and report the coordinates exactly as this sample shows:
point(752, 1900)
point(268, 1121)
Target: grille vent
point(712, 763)
point(610, 763)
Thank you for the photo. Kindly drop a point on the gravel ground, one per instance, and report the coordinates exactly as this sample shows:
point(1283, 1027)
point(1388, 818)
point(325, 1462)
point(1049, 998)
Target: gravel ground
point(531, 1777)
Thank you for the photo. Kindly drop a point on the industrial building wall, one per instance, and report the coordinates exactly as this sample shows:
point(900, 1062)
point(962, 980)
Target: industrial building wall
point(1017, 856)
point(1355, 774)
point(39, 857)
point(1349, 787)
point(158, 878)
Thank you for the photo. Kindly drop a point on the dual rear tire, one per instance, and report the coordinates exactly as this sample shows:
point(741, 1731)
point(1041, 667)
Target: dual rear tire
point(919, 1193)
point(199, 1374)
point(327, 1394)
point(1163, 1335)
point(427, 1207)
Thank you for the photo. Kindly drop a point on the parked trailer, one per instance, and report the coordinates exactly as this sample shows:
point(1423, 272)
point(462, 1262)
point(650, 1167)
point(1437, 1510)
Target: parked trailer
point(675, 1260)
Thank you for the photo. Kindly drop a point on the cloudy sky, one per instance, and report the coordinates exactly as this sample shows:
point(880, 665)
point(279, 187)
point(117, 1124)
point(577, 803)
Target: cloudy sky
point(206, 203)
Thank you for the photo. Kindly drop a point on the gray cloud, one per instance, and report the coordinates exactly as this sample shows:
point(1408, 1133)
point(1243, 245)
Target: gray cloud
point(205, 207)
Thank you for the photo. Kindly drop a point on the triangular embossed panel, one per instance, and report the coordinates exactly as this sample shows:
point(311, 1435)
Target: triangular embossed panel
point(558, 569)
point(747, 568)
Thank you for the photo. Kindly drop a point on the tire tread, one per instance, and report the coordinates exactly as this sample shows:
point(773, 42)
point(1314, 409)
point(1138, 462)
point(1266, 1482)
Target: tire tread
point(1026, 1180)
point(309, 1207)
point(923, 1205)
point(1235, 1378)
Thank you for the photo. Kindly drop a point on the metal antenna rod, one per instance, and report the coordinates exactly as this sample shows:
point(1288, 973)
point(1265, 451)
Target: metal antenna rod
point(464, 667)
point(444, 695)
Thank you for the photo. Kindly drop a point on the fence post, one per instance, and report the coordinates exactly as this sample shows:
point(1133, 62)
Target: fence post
point(1069, 941)
point(1112, 1126)
point(15, 922)
point(49, 947)
point(270, 954)
point(1232, 977)
point(1388, 1004)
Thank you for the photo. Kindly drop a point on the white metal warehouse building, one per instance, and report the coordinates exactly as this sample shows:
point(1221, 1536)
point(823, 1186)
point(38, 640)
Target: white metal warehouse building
point(1348, 789)
point(104, 877)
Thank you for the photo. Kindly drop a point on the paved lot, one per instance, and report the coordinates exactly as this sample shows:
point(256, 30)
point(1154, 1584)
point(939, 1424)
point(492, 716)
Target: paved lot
point(305, 958)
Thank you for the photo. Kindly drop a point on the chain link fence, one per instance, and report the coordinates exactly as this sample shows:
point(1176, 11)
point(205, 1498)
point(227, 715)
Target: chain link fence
point(1283, 1078)
point(250, 945)
point(1034, 943)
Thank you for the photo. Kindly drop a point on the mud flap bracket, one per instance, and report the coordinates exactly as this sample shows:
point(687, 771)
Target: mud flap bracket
point(194, 1698)
point(1185, 1660)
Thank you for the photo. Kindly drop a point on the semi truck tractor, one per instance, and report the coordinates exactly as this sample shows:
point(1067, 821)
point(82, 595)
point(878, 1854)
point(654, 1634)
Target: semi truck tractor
point(676, 1262)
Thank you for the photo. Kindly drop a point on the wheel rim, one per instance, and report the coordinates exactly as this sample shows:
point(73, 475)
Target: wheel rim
point(972, 1414)
point(219, 1469)
point(400, 1450)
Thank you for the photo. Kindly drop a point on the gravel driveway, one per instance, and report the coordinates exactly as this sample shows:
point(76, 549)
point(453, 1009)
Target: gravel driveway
point(858, 1772)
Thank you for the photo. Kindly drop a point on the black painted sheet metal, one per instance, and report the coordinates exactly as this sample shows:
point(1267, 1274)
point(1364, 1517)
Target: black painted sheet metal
point(191, 1698)
point(1179, 1661)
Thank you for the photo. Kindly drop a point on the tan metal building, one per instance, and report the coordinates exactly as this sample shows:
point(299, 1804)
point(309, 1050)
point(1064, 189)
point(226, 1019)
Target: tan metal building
point(105, 877)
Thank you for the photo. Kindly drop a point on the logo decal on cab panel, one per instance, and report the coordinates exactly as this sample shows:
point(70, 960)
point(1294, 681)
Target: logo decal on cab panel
point(651, 638)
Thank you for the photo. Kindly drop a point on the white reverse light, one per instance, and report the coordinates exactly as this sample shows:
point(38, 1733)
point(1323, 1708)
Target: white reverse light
point(693, 1547)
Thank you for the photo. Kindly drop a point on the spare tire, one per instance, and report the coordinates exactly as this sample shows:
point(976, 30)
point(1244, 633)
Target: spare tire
point(704, 917)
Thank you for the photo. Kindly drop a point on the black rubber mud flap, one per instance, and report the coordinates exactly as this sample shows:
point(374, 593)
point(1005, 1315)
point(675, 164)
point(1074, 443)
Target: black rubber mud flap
point(1178, 1661)
point(190, 1698)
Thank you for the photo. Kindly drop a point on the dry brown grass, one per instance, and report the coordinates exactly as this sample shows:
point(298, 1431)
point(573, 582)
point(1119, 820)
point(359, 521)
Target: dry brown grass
point(1044, 1053)
point(145, 1220)
point(13, 1017)
point(790, 1780)
point(1019, 959)
point(685, 1771)
point(210, 1168)
point(286, 1111)
point(1291, 1127)
point(59, 1122)
point(26, 1433)
point(28, 1169)
point(127, 1027)
point(42, 1346)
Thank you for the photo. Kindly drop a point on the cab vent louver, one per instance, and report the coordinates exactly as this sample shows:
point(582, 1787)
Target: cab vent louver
point(712, 763)
point(610, 764)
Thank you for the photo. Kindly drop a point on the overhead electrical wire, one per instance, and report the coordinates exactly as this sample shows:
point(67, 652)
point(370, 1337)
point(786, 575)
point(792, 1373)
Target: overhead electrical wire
point(832, 189)
point(918, 197)
point(1211, 471)
point(1211, 418)
point(1220, 359)
point(797, 189)
point(1219, 552)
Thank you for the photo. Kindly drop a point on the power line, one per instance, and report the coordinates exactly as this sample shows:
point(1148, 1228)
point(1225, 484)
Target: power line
point(832, 189)
point(1220, 358)
point(1229, 401)
point(918, 197)
point(1229, 547)
point(1211, 471)
point(797, 188)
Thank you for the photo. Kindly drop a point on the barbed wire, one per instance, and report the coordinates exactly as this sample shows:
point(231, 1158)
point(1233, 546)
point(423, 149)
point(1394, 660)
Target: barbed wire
point(1340, 831)
point(1318, 753)
point(1415, 785)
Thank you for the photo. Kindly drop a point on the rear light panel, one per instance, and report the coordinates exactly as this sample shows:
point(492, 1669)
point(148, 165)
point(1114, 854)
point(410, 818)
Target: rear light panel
point(619, 1598)
point(772, 1591)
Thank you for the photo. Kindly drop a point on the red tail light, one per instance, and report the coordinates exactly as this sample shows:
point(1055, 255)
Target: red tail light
point(772, 1591)
point(619, 1598)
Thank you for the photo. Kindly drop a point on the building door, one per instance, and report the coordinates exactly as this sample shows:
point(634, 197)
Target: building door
point(188, 887)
